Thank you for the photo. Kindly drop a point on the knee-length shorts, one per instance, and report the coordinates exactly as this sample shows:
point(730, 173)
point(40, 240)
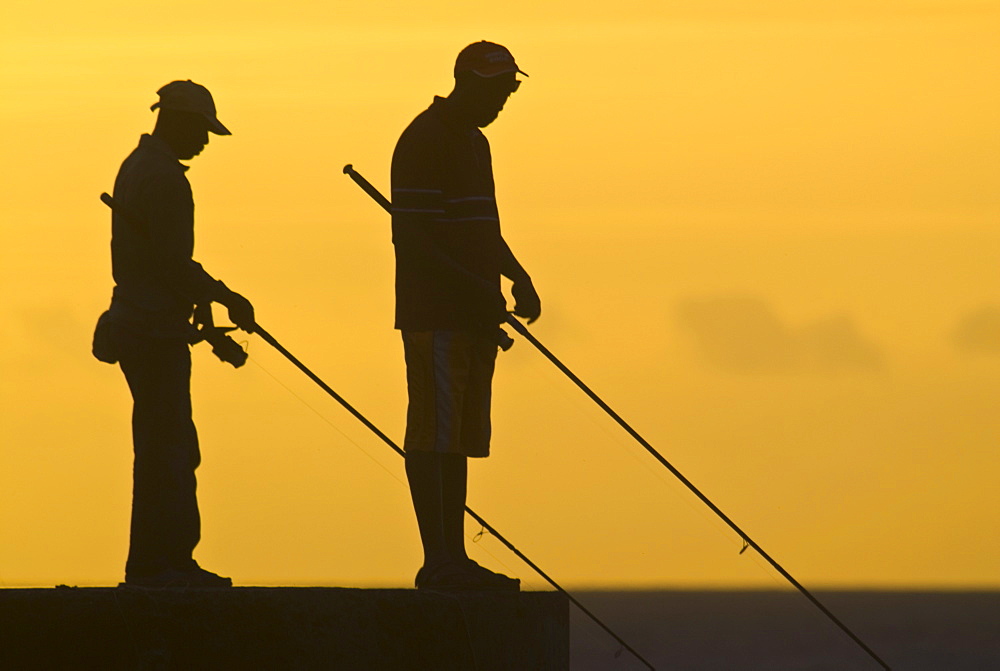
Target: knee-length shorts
point(449, 378)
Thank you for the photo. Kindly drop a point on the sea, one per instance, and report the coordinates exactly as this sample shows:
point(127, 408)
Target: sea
point(783, 630)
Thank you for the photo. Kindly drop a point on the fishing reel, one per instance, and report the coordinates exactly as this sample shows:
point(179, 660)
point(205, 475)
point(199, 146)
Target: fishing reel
point(224, 347)
point(504, 341)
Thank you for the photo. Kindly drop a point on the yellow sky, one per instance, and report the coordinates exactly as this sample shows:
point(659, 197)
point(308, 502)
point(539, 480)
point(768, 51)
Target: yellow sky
point(768, 235)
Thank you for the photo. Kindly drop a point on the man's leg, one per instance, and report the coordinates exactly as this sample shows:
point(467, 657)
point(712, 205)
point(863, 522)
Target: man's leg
point(424, 474)
point(475, 441)
point(438, 484)
point(428, 421)
point(166, 525)
point(443, 423)
point(454, 485)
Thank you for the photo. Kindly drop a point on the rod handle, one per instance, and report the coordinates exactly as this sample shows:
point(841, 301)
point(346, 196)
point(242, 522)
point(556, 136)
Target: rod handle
point(367, 187)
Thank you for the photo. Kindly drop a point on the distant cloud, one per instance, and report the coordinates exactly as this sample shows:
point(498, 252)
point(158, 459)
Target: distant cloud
point(743, 334)
point(979, 331)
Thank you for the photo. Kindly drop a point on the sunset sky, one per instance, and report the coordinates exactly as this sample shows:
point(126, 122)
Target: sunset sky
point(767, 233)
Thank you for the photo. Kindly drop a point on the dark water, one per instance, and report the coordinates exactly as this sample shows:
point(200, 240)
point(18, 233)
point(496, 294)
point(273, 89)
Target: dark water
point(933, 631)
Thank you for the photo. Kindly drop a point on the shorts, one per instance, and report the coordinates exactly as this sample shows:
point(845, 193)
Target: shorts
point(449, 378)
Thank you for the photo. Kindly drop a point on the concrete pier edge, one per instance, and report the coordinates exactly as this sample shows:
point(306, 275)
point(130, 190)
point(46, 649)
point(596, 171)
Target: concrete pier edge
point(282, 628)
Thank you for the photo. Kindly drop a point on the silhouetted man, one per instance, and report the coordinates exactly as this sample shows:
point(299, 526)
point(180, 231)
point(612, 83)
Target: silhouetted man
point(148, 329)
point(450, 255)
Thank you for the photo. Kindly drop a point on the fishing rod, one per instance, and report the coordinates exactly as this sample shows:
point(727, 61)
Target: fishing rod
point(367, 187)
point(272, 341)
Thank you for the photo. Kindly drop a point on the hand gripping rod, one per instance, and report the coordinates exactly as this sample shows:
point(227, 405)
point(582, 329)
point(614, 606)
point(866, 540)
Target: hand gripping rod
point(523, 330)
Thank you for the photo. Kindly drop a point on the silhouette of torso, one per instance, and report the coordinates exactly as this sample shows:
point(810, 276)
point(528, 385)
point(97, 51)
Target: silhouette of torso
point(156, 281)
point(442, 188)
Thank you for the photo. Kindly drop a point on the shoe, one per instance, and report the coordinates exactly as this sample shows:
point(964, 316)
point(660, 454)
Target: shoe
point(446, 576)
point(199, 577)
point(464, 576)
point(497, 581)
point(173, 578)
point(164, 579)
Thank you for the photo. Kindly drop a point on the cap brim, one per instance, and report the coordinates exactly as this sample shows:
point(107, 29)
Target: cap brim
point(487, 73)
point(215, 126)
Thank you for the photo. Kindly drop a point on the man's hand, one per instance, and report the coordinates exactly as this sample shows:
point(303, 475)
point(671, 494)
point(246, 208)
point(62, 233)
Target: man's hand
point(240, 311)
point(203, 314)
point(499, 307)
point(527, 304)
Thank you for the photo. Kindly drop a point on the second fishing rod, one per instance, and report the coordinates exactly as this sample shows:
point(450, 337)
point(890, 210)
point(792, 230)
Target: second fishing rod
point(521, 329)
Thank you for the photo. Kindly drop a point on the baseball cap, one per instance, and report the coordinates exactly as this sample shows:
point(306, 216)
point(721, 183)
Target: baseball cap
point(486, 59)
point(186, 96)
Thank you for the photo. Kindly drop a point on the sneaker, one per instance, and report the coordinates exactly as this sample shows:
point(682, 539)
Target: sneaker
point(497, 581)
point(199, 577)
point(164, 579)
point(445, 576)
point(173, 578)
point(464, 576)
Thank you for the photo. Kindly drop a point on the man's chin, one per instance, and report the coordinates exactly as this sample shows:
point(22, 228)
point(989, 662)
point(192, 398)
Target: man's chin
point(190, 155)
point(486, 121)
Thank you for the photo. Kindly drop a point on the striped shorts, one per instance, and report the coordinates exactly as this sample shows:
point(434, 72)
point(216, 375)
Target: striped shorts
point(449, 375)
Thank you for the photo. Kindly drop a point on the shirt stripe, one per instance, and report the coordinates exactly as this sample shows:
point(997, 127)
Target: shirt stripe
point(453, 220)
point(471, 198)
point(414, 210)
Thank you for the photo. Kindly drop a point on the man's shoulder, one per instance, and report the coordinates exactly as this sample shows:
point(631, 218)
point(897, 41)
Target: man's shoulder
point(428, 126)
point(419, 148)
point(153, 154)
point(150, 165)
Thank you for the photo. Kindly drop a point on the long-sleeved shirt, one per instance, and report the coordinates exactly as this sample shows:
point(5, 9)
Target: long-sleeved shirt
point(444, 202)
point(157, 283)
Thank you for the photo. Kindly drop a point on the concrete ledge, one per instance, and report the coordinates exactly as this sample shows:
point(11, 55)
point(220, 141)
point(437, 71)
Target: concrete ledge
point(282, 628)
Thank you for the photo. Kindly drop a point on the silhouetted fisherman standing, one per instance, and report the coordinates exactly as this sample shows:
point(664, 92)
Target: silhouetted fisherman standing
point(148, 328)
point(450, 255)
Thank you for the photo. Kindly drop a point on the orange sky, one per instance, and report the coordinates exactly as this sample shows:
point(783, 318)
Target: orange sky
point(768, 236)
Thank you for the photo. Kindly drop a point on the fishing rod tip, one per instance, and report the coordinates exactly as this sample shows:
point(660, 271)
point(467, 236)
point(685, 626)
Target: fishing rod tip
point(349, 168)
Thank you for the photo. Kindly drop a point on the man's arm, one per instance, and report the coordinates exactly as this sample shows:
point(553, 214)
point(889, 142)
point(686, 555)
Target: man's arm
point(167, 214)
point(527, 304)
point(170, 225)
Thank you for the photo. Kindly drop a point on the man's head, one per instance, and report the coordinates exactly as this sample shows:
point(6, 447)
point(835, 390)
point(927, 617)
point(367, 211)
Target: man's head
point(485, 76)
point(187, 115)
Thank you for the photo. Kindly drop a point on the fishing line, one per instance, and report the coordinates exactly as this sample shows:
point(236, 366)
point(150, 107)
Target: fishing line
point(328, 422)
point(474, 538)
